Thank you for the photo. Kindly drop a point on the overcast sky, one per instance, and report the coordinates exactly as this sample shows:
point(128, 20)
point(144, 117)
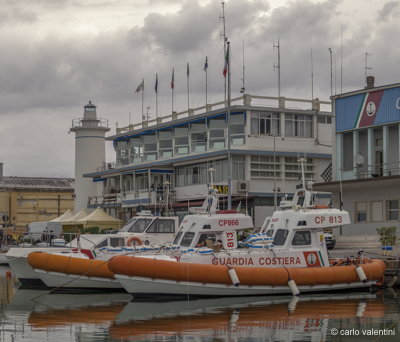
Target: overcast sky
point(56, 55)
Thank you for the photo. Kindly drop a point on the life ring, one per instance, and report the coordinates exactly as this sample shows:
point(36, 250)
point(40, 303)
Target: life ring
point(134, 241)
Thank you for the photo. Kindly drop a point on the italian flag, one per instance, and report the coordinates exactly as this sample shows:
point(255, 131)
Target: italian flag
point(226, 62)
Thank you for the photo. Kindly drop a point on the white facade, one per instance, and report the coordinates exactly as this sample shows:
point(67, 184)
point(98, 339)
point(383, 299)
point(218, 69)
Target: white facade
point(89, 153)
point(179, 150)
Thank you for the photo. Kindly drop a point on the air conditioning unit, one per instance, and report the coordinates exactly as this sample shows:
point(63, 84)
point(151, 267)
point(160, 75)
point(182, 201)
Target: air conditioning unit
point(242, 186)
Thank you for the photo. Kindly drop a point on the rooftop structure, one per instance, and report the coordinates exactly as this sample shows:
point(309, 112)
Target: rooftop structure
point(366, 162)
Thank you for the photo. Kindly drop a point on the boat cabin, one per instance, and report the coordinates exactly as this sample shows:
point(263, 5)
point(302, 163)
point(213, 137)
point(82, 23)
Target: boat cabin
point(148, 229)
point(199, 230)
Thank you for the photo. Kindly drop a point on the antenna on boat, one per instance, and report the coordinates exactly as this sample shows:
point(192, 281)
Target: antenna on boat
point(167, 184)
point(303, 181)
point(211, 170)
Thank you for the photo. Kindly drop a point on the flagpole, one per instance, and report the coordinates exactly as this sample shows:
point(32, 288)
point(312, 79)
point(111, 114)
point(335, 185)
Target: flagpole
point(156, 89)
point(172, 89)
point(187, 73)
point(206, 70)
point(142, 101)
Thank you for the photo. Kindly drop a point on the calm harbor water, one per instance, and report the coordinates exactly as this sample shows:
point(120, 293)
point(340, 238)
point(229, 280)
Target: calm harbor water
point(36, 315)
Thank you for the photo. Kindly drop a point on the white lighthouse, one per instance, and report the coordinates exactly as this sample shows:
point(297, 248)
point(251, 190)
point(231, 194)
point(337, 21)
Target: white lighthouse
point(90, 153)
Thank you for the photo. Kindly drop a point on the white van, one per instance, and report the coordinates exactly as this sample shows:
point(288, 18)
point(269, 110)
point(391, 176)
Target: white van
point(43, 231)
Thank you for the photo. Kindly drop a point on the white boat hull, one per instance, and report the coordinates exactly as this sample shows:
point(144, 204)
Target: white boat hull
point(146, 287)
point(73, 281)
point(17, 259)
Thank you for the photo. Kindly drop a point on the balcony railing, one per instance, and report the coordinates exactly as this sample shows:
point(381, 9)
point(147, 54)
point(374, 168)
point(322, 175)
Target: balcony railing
point(99, 122)
point(370, 171)
point(246, 99)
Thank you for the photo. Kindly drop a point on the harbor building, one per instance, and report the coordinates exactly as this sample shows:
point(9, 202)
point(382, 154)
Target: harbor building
point(168, 161)
point(31, 199)
point(366, 162)
point(89, 152)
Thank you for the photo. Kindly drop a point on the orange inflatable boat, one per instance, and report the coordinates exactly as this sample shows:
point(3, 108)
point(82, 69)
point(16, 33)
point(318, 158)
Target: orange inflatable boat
point(141, 276)
point(251, 276)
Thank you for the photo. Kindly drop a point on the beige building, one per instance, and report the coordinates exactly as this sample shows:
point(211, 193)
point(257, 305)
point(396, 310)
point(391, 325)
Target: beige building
point(32, 199)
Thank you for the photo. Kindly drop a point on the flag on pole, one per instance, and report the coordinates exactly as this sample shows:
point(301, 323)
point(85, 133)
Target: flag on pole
point(187, 70)
point(206, 64)
point(172, 80)
point(156, 85)
point(226, 66)
point(140, 87)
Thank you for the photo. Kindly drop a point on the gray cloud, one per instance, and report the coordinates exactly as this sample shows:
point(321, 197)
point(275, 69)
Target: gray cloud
point(49, 70)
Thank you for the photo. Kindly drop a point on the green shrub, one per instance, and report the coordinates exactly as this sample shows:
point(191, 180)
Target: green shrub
point(387, 235)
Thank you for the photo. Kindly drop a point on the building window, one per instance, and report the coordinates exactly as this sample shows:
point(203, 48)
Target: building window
point(298, 125)
point(181, 140)
point(221, 170)
point(135, 150)
point(293, 168)
point(165, 144)
point(265, 123)
point(142, 182)
point(191, 175)
point(392, 210)
point(199, 136)
point(217, 133)
point(325, 120)
point(150, 147)
point(265, 166)
point(237, 129)
point(122, 151)
point(361, 212)
point(376, 211)
point(238, 167)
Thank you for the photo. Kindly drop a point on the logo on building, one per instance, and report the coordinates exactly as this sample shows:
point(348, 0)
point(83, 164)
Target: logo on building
point(370, 108)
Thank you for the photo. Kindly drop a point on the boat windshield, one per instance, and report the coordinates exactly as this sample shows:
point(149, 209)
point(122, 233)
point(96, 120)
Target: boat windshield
point(177, 237)
point(280, 237)
point(137, 226)
point(269, 232)
point(187, 239)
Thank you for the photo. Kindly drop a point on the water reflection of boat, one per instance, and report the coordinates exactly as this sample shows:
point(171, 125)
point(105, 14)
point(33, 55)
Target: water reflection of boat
point(280, 318)
point(43, 301)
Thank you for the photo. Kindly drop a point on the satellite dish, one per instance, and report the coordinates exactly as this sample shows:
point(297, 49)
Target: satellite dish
point(359, 159)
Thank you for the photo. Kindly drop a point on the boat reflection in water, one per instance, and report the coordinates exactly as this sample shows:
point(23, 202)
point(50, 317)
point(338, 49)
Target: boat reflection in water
point(268, 318)
point(35, 315)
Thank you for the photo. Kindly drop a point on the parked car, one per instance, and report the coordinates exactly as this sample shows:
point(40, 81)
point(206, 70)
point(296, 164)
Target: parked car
point(330, 241)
